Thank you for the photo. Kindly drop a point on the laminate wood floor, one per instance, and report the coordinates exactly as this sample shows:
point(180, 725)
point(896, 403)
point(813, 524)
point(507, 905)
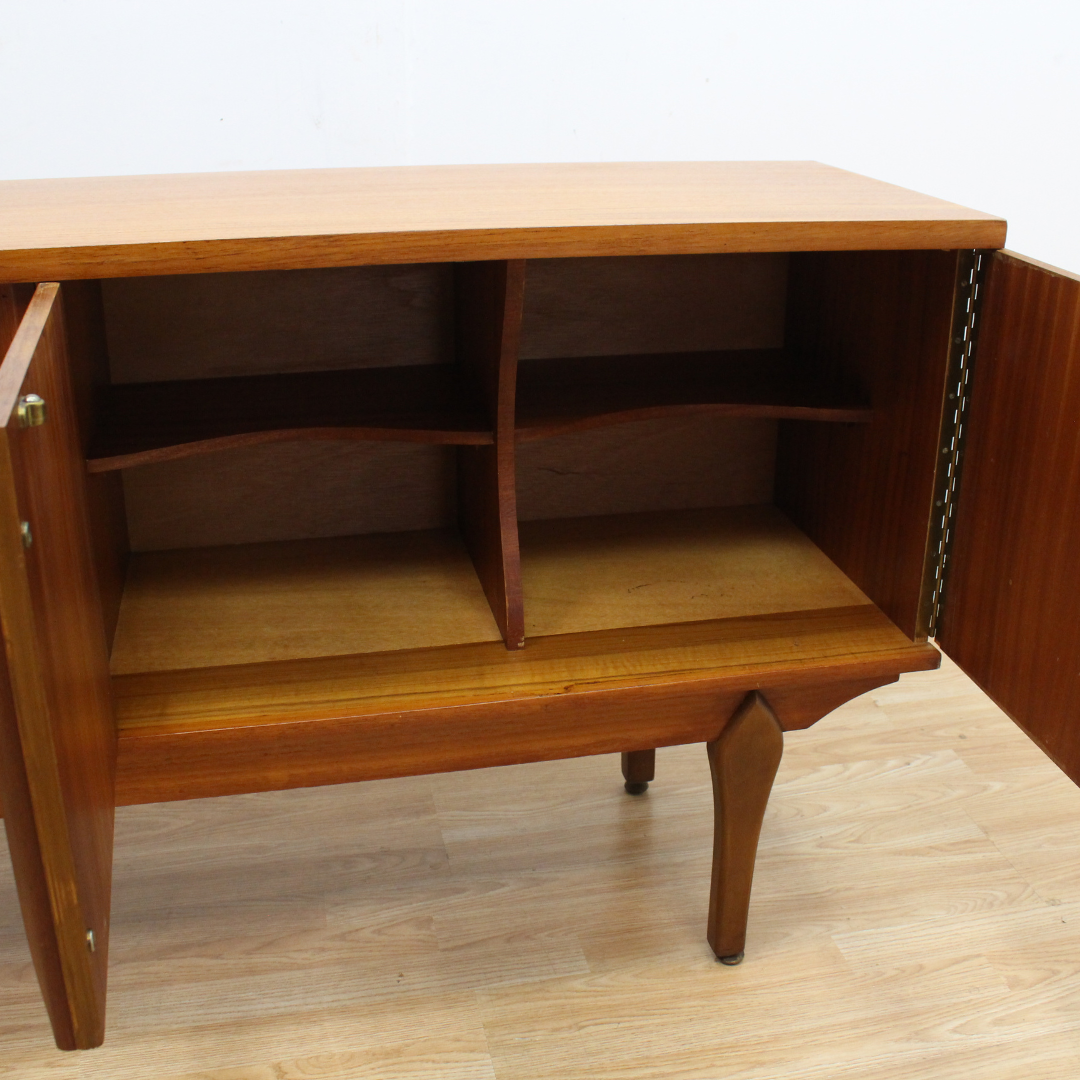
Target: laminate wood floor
point(916, 913)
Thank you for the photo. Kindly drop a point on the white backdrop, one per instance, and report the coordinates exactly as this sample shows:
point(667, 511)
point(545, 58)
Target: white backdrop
point(971, 101)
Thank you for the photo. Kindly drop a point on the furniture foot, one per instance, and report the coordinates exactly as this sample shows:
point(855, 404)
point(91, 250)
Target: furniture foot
point(731, 961)
point(743, 758)
point(638, 768)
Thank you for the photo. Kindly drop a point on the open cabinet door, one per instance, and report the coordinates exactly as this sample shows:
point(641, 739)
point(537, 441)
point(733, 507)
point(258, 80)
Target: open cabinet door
point(57, 734)
point(1011, 615)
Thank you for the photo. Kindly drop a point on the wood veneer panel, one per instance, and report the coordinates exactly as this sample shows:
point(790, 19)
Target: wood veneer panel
point(61, 726)
point(202, 326)
point(250, 603)
point(290, 491)
point(489, 303)
point(556, 396)
point(134, 226)
point(625, 305)
point(881, 321)
point(666, 464)
point(332, 720)
point(142, 423)
point(29, 863)
point(1010, 606)
point(585, 574)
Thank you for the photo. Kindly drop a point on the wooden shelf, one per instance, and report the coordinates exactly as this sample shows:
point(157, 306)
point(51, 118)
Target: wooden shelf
point(259, 603)
point(291, 600)
point(139, 423)
point(598, 573)
point(555, 396)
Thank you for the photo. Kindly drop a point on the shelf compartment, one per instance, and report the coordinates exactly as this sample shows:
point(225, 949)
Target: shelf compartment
point(257, 727)
point(255, 716)
point(598, 573)
point(245, 603)
point(556, 396)
point(140, 423)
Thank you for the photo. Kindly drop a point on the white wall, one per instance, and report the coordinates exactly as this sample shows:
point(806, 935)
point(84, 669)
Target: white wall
point(970, 101)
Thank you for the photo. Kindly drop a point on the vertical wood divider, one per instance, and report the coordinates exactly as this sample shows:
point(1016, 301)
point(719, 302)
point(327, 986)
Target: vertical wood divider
point(489, 298)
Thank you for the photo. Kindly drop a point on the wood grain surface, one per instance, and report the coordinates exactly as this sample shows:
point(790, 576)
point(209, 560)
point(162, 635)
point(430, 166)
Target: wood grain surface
point(643, 466)
point(290, 491)
point(136, 226)
point(805, 642)
point(601, 573)
point(864, 493)
point(1010, 612)
point(202, 326)
point(623, 305)
point(59, 739)
point(253, 603)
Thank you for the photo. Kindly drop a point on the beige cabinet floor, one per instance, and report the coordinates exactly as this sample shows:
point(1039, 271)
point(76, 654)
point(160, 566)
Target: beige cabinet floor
point(916, 913)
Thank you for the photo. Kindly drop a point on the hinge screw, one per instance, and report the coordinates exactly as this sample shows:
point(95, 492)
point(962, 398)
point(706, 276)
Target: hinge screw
point(31, 411)
point(27, 535)
point(91, 944)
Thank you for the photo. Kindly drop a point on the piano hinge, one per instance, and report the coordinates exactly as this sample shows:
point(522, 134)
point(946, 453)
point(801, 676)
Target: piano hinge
point(969, 281)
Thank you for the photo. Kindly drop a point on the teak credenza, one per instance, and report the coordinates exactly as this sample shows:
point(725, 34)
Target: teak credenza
point(316, 477)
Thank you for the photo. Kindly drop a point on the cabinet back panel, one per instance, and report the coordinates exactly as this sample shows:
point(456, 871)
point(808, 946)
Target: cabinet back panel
point(667, 464)
point(653, 303)
point(206, 325)
point(290, 491)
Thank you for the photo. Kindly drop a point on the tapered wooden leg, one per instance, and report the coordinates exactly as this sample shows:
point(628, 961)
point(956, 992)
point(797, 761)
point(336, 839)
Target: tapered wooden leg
point(638, 768)
point(744, 759)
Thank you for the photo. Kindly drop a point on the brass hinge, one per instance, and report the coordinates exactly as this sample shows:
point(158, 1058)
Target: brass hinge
point(970, 274)
point(31, 411)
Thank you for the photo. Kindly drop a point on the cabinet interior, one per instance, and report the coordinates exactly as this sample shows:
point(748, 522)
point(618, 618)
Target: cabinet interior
point(291, 464)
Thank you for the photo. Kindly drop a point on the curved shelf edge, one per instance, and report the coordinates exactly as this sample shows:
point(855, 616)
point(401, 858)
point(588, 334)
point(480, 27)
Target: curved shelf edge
point(141, 423)
point(529, 430)
point(577, 393)
point(102, 463)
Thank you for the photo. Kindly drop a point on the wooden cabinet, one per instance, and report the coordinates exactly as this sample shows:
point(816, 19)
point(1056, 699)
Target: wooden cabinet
point(309, 478)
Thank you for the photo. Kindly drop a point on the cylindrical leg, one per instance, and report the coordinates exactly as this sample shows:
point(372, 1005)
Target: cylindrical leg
point(638, 768)
point(744, 759)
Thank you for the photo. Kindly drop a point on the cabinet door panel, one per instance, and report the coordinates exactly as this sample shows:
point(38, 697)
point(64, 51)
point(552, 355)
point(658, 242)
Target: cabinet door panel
point(57, 735)
point(1010, 617)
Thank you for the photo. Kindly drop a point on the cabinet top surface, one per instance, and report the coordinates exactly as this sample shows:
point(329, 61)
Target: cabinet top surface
point(190, 223)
